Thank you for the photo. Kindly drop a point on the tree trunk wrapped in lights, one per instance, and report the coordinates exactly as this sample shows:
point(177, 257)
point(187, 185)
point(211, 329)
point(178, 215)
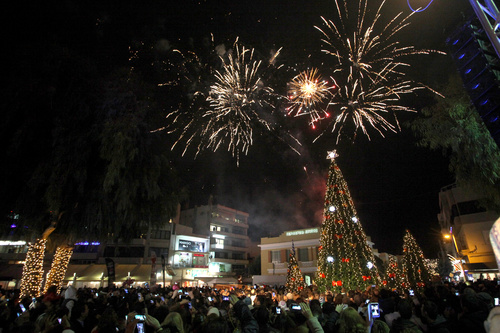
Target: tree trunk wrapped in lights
point(31, 281)
point(394, 278)
point(58, 269)
point(294, 278)
point(345, 260)
point(415, 266)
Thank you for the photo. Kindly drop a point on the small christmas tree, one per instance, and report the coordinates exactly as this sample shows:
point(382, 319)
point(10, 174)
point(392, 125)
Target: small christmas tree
point(415, 266)
point(294, 278)
point(394, 278)
point(345, 260)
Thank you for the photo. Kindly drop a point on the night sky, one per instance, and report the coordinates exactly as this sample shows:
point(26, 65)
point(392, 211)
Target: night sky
point(394, 184)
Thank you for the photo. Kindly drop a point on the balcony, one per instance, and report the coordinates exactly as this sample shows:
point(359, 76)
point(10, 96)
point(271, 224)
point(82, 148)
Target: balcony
point(225, 247)
point(123, 260)
point(230, 261)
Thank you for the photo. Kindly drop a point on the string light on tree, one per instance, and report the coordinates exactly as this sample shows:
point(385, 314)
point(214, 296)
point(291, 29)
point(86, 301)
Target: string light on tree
point(59, 267)
point(345, 259)
point(294, 278)
point(31, 280)
point(394, 279)
point(414, 263)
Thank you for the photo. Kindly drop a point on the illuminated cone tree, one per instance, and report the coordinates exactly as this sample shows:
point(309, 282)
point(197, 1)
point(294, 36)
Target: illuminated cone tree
point(58, 268)
point(31, 280)
point(345, 260)
point(415, 266)
point(294, 278)
point(394, 278)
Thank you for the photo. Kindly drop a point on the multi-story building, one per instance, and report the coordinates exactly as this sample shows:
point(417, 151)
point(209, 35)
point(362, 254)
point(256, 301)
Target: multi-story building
point(184, 254)
point(228, 232)
point(465, 226)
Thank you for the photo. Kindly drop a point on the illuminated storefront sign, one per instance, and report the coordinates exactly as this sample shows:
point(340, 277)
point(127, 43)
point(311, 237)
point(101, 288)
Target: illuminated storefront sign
point(192, 273)
point(189, 245)
point(12, 243)
point(302, 232)
point(186, 259)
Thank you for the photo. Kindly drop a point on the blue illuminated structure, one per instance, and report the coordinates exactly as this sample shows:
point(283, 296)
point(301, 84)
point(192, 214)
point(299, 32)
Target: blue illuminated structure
point(419, 9)
point(479, 67)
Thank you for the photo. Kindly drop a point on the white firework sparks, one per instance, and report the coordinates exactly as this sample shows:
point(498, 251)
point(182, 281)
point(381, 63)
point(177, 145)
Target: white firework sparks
point(369, 64)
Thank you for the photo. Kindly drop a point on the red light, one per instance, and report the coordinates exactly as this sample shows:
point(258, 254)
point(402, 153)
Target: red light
point(327, 114)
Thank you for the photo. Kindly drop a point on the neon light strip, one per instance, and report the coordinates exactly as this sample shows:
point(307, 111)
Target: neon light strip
point(418, 10)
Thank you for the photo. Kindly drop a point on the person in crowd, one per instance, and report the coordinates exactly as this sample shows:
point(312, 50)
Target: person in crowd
point(204, 309)
point(380, 326)
point(404, 322)
point(436, 323)
point(78, 316)
point(70, 298)
point(350, 321)
point(474, 313)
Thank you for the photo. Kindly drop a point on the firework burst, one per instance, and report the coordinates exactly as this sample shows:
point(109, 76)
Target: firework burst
point(370, 64)
point(236, 104)
point(309, 94)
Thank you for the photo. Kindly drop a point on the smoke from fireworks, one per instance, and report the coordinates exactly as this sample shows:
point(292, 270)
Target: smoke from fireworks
point(309, 94)
point(369, 65)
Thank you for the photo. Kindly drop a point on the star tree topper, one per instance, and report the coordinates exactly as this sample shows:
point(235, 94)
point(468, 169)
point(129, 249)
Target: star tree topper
point(332, 154)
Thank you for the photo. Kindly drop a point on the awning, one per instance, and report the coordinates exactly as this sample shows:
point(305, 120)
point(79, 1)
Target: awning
point(225, 280)
point(143, 272)
point(94, 272)
point(78, 269)
point(481, 267)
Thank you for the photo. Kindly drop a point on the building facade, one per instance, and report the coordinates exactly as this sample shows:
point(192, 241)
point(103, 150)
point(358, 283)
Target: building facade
point(140, 261)
point(275, 252)
point(465, 226)
point(228, 232)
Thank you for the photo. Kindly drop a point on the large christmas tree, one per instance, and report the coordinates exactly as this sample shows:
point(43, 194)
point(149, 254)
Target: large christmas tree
point(345, 260)
point(294, 278)
point(414, 264)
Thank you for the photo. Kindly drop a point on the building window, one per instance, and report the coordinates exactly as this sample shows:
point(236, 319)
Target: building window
point(303, 254)
point(276, 256)
point(160, 234)
point(239, 231)
point(238, 256)
point(238, 268)
point(220, 255)
point(219, 243)
point(214, 227)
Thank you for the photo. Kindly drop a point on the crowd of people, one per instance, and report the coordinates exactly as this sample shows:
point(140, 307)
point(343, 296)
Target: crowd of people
point(447, 307)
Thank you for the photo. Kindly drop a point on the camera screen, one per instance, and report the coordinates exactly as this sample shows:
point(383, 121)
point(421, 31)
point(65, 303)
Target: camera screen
point(296, 307)
point(374, 310)
point(225, 298)
point(140, 317)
